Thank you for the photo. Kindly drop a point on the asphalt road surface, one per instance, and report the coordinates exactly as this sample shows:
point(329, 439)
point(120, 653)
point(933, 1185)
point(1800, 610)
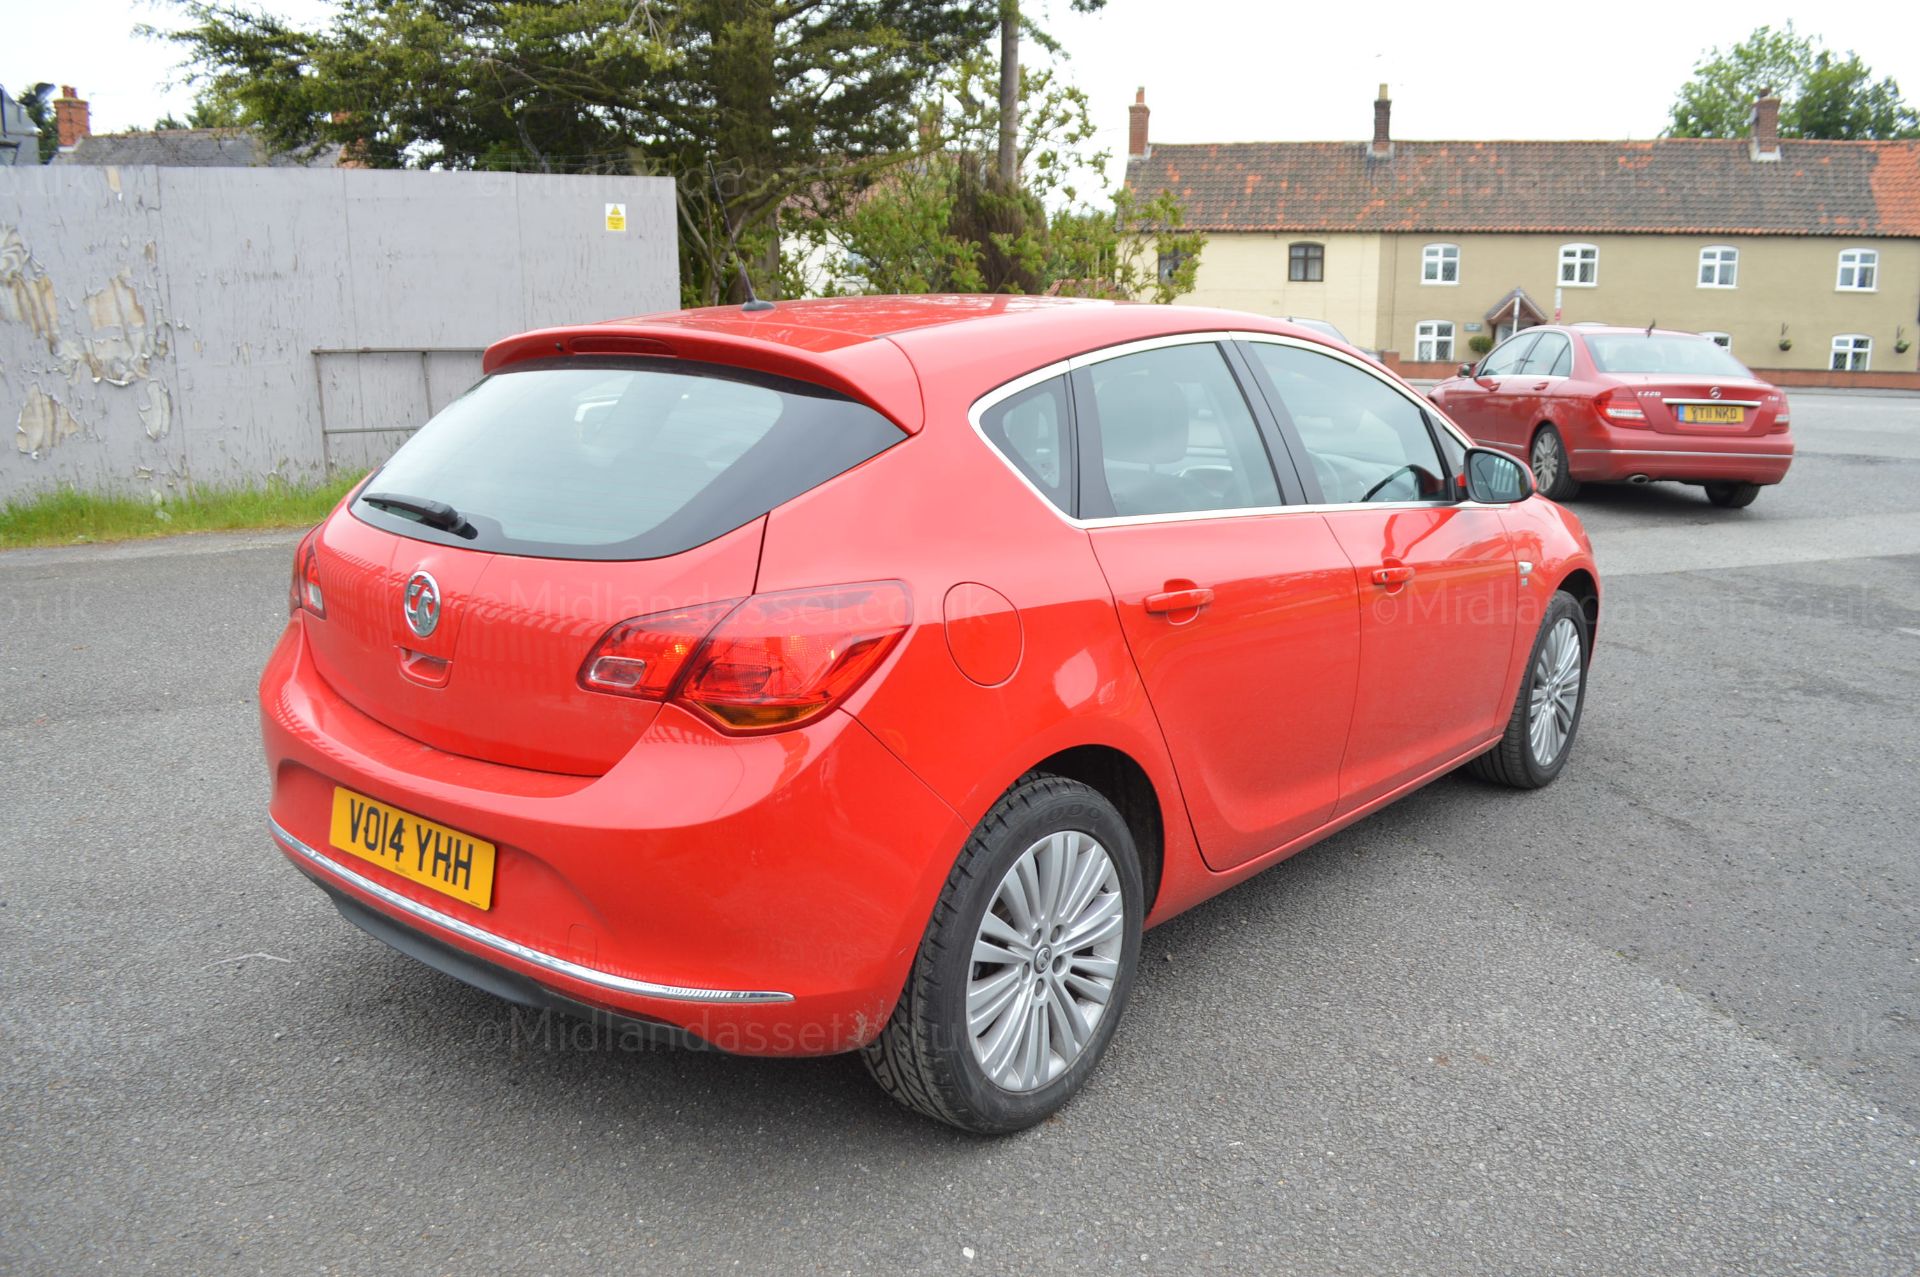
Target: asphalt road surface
point(1663, 1017)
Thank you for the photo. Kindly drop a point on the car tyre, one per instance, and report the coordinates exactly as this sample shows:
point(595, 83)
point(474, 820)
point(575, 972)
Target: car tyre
point(929, 1056)
point(1732, 494)
point(1552, 472)
point(1555, 683)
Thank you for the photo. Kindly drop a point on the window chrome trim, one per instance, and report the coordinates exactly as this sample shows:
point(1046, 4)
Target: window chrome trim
point(1007, 390)
point(511, 948)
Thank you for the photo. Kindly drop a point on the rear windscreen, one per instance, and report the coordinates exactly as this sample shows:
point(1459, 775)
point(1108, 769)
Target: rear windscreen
point(1662, 352)
point(616, 458)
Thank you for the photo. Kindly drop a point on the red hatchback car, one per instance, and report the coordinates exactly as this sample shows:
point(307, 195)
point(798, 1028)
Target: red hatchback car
point(1587, 403)
point(867, 674)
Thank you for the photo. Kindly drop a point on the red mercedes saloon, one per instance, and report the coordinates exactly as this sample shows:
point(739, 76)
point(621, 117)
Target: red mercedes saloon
point(865, 675)
point(1586, 403)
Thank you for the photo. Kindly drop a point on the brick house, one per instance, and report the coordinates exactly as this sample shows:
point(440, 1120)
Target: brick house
point(1802, 256)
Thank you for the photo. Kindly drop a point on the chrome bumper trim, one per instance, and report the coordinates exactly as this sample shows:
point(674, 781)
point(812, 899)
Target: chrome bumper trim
point(513, 949)
point(1657, 453)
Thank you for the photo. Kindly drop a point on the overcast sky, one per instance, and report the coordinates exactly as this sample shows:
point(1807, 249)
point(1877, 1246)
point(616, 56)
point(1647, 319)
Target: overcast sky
point(1214, 70)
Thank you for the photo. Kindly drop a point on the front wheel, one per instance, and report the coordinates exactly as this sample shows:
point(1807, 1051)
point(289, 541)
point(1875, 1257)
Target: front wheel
point(1732, 495)
point(1025, 967)
point(1552, 473)
point(1546, 713)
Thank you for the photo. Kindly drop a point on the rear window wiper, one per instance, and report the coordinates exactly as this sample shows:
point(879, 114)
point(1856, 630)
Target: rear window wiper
point(435, 514)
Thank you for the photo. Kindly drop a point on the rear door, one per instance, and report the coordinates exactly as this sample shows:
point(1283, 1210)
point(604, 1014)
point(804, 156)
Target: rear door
point(552, 501)
point(1487, 405)
point(1241, 613)
point(1436, 576)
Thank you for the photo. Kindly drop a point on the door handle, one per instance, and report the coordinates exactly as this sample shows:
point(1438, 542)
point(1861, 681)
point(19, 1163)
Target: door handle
point(1179, 600)
point(1541, 385)
point(1393, 577)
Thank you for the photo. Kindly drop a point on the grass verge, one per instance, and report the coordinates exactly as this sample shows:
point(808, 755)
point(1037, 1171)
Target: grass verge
point(78, 518)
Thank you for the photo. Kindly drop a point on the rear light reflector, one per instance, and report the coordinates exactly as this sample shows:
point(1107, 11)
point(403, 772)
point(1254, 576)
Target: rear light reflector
point(304, 590)
point(643, 656)
point(770, 662)
point(1620, 408)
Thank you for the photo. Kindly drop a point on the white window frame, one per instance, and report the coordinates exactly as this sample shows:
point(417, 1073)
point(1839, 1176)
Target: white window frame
point(1430, 330)
point(1857, 264)
point(1433, 264)
point(1719, 267)
point(1850, 345)
point(1722, 340)
point(1574, 256)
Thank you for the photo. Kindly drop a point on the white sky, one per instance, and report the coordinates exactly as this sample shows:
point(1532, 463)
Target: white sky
point(1214, 70)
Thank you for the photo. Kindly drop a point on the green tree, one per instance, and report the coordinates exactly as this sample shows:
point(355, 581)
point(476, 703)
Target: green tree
point(942, 223)
point(37, 102)
point(787, 96)
point(1822, 95)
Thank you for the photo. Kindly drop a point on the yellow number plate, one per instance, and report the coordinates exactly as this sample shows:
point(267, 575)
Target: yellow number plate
point(1712, 414)
point(448, 861)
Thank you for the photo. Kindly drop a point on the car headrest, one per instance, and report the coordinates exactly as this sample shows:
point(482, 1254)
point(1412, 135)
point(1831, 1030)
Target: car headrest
point(1143, 420)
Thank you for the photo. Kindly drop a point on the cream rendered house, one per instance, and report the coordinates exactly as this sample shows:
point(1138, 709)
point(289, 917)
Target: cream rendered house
point(1802, 256)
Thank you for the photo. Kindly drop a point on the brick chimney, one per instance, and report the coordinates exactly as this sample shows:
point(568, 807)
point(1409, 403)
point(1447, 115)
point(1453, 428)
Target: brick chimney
point(1137, 124)
point(70, 118)
point(1382, 146)
point(1763, 141)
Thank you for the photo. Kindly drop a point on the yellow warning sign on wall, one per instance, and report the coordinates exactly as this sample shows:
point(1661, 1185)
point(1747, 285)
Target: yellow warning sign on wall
point(617, 217)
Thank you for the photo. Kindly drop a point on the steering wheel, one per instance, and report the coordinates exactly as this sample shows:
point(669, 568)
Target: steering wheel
point(1415, 471)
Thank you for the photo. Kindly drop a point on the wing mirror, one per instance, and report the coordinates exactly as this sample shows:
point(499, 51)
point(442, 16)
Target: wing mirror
point(1494, 478)
point(1466, 370)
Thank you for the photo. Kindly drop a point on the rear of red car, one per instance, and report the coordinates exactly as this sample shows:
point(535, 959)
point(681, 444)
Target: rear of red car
point(469, 787)
point(1675, 406)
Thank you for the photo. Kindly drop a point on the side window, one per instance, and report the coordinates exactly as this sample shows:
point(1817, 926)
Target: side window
point(1367, 441)
point(1506, 358)
point(1030, 430)
point(1174, 434)
point(1550, 357)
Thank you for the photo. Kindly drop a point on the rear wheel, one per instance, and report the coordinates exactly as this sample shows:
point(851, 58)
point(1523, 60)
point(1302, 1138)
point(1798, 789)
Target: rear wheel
point(1025, 966)
point(1551, 471)
point(1732, 495)
point(1546, 713)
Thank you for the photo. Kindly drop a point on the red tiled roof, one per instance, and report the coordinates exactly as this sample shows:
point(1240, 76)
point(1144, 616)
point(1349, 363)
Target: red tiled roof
point(1677, 185)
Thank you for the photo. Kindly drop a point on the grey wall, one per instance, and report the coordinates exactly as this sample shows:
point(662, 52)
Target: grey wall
point(166, 326)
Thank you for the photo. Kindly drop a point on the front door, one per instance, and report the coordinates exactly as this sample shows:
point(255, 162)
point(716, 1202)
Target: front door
point(1437, 578)
point(1242, 616)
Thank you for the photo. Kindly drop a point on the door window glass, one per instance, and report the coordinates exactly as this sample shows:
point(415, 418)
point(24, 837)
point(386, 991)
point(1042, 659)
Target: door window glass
point(1367, 441)
point(1546, 357)
point(1175, 435)
point(1506, 358)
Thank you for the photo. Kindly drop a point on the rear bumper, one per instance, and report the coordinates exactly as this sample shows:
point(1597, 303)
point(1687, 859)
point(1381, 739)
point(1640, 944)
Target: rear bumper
point(1688, 458)
point(765, 896)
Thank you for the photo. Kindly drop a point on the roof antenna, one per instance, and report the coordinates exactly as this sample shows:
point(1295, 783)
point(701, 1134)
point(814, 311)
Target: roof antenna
point(753, 304)
point(1650, 324)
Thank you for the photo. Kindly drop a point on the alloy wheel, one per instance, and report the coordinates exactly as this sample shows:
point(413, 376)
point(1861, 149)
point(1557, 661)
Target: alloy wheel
point(1045, 959)
point(1556, 692)
point(1546, 462)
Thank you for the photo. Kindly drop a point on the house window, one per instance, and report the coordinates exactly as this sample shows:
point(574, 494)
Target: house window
point(1851, 353)
point(1719, 267)
point(1722, 340)
point(1170, 264)
point(1579, 265)
point(1859, 270)
point(1433, 341)
point(1306, 263)
point(1440, 264)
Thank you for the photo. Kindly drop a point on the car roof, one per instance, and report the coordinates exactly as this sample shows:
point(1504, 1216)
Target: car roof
point(881, 350)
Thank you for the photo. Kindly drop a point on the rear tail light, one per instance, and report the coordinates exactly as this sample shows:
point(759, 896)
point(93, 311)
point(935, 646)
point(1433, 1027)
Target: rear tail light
point(772, 661)
point(1782, 415)
point(642, 657)
point(304, 590)
point(1620, 408)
